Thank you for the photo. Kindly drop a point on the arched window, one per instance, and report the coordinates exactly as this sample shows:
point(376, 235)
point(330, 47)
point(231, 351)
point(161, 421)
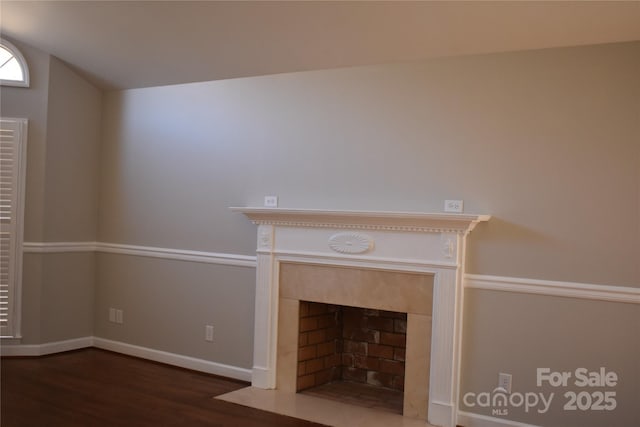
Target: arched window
point(13, 67)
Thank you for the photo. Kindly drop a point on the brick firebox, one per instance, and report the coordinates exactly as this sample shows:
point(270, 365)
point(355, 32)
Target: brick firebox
point(340, 343)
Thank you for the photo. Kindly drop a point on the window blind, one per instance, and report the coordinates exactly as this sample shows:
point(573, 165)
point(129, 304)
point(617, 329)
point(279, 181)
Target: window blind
point(12, 176)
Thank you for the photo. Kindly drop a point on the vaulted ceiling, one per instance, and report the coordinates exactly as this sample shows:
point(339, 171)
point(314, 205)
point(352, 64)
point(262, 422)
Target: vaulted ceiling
point(130, 44)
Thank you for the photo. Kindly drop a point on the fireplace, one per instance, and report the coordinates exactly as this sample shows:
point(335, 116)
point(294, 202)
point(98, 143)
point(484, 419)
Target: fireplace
point(409, 263)
point(366, 288)
point(352, 354)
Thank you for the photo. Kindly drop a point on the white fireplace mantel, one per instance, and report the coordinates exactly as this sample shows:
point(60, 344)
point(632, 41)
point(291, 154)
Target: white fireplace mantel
point(425, 243)
point(373, 220)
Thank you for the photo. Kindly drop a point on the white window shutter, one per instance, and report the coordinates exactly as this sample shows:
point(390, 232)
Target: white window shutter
point(13, 138)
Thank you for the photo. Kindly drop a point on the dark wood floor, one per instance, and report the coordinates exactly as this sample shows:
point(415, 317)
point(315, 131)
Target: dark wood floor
point(93, 387)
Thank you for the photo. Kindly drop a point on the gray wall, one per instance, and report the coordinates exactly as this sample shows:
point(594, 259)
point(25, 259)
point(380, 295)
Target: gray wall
point(519, 333)
point(545, 141)
point(73, 137)
point(31, 103)
point(64, 113)
point(166, 305)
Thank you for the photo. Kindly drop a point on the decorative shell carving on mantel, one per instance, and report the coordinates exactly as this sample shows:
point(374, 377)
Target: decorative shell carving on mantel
point(351, 243)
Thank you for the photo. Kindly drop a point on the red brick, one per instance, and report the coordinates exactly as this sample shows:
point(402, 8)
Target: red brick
point(400, 326)
point(303, 339)
point(317, 336)
point(366, 362)
point(308, 324)
point(306, 353)
point(362, 334)
point(348, 328)
point(327, 320)
point(371, 312)
point(353, 318)
point(317, 308)
point(377, 350)
point(380, 379)
point(332, 360)
point(391, 367)
point(304, 308)
point(399, 354)
point(354, 374)
point(326, 348)
point(347, 360)
point(396, 340)
point(336, 373)
point(301, 370)
point(323, 377)
point(306, 382)
point(398, 383)
point(380, 324)
point(355, 347)
point(314, 365)
point(332, 333)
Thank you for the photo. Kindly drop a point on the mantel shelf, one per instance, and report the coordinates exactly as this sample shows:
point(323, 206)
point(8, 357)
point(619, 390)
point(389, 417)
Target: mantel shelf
point(383, 220)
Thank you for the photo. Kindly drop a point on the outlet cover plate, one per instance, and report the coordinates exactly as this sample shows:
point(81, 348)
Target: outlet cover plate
point(456, 206)
point(504, 382)
point(119, 317)
point(270, 201)
point(208, 333)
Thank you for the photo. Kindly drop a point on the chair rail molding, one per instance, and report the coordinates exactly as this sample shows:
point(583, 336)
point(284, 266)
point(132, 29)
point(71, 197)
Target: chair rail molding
point(142, 251)
point(622, 294)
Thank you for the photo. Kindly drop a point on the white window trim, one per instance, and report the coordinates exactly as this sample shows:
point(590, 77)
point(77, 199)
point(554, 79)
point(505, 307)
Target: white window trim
point(14, 329)
point(23, 63)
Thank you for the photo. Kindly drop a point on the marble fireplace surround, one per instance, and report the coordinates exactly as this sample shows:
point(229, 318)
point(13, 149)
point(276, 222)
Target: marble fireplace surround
point(397, 261)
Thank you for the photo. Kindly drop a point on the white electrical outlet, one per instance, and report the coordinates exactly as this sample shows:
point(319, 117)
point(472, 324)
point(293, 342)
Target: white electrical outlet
point(454, 206)
point(270, 201)
point(208, 333)
point(115, 315)
point(504, 382)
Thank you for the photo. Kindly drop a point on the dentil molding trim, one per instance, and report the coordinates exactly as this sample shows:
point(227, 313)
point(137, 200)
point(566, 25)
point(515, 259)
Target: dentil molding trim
point(364, 220)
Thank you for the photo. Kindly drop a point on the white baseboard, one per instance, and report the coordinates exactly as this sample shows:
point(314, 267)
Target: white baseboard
point(179, 360)
point(174, 359)
point(467, 419)
point(46, 348)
